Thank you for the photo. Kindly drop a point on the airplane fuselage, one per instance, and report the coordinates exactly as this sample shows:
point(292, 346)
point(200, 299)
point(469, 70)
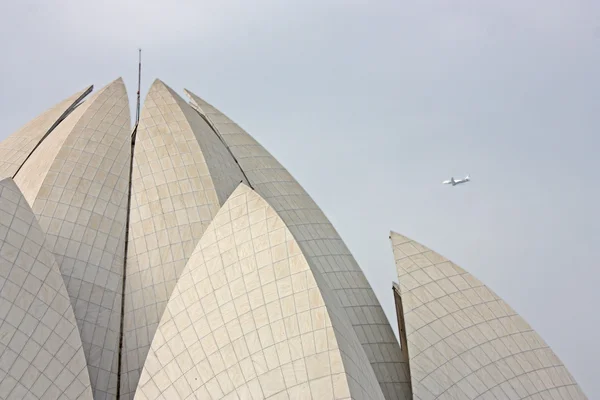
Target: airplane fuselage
point(454, 182)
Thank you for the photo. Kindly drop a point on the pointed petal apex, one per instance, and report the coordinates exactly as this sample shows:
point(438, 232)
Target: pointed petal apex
point(18, 147)
point(398, 238)
point(446, 302)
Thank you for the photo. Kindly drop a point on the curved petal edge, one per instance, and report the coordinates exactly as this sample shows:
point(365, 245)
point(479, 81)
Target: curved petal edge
point(41, 353)
point(16, 148)
point(324, 249)
point(248, 320)
point(464, 342)
point(77, 182)
point(182, 174)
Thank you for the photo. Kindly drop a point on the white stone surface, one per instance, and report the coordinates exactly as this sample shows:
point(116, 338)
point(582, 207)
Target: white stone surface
point(324, 250)
point(41, 354)
point(464, 342)
point(182, 173)
point(33, 173)
point(15, 148)
point(244, 293)
point(81, 171)
point(247, 320)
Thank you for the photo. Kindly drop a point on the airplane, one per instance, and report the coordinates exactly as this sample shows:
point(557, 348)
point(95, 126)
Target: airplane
point(453, 182)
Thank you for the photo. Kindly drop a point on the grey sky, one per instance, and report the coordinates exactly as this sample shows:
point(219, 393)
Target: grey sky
point(370, 105)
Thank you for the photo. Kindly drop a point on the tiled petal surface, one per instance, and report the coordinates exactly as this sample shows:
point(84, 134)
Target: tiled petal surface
point(244, 293)
point(182, 173)
point(247, 319)
point(81, 172)
point(323, 248)
point(464, 342)
point(15, 148)
point(34, 171)
point(41, 354)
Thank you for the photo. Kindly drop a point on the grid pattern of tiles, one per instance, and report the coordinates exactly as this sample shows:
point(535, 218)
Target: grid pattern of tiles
point(15, 148)
point(181, 175)
point(246, 319)
point(464, 342)
point(32, 174)
point(256, 299)
point(82, 206)
point(41, 355)
point(323, 249)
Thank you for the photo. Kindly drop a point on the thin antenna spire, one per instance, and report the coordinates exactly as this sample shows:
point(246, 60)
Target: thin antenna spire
point(137, 113)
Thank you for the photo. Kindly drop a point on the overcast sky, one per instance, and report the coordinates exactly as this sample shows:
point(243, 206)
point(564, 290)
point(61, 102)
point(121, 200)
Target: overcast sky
point(370, 105)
